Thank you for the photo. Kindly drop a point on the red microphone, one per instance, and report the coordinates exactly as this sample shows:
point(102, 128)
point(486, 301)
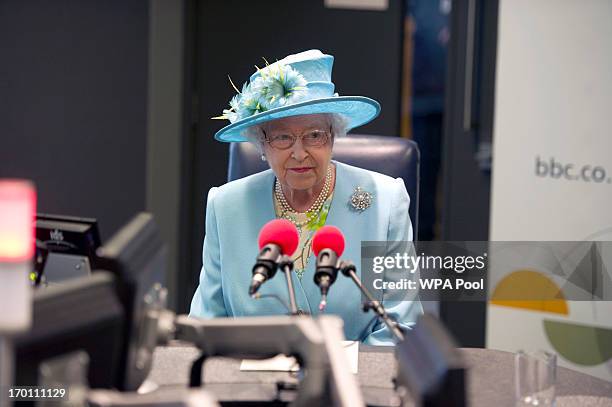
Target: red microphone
point(280, 232)
point(328, 246)
point(328, 237)
point(277, 238)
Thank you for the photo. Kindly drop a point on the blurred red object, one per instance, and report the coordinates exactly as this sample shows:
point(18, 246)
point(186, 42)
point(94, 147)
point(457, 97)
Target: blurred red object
point(17, 215)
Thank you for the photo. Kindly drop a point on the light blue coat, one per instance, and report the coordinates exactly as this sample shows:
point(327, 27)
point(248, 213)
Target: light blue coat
point(236, 212)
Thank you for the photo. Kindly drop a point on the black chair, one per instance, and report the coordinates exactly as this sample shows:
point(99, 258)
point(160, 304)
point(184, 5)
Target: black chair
point(394, 156)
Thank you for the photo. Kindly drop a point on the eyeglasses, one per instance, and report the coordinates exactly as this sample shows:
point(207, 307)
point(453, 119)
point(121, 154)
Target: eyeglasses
point(313, 138)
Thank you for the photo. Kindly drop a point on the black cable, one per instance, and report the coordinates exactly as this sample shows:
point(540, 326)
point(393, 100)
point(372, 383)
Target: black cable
point(195, 375)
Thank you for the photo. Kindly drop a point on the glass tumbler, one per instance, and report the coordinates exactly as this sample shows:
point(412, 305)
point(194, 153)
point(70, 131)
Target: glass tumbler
point(535, 374)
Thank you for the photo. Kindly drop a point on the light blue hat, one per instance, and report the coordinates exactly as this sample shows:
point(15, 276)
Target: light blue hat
point(297, 84)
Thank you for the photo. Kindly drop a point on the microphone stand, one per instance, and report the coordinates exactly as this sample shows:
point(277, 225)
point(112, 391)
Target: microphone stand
point(286, 264)
point(349, 270)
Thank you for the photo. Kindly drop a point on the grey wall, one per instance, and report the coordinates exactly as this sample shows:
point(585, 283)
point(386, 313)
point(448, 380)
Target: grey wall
point(467, 133)
point(165, 145)
point(73, 104)
point(91, 109)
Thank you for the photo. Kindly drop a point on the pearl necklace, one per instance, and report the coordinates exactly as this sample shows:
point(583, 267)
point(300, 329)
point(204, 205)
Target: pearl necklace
point(314, 209)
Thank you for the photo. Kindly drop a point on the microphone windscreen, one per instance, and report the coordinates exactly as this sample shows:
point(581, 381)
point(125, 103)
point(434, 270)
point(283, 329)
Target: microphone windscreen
point(328, 237)
point(282, 233)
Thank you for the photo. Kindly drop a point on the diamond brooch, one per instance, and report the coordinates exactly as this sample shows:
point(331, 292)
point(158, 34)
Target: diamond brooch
point(361, 200)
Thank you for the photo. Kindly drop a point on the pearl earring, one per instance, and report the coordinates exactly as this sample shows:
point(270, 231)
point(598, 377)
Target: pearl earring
point(263, 157)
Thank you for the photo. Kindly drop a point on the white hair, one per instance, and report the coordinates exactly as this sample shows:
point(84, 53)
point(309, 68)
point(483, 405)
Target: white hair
point(338, 123)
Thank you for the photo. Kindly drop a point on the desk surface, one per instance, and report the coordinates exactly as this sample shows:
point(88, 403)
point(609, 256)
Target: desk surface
point(490, 378)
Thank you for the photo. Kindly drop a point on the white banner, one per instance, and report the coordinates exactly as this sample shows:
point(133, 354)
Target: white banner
point(552, 164)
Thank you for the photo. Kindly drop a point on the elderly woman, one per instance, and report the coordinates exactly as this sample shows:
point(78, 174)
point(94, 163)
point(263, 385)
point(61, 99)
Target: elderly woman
point(291, 113)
